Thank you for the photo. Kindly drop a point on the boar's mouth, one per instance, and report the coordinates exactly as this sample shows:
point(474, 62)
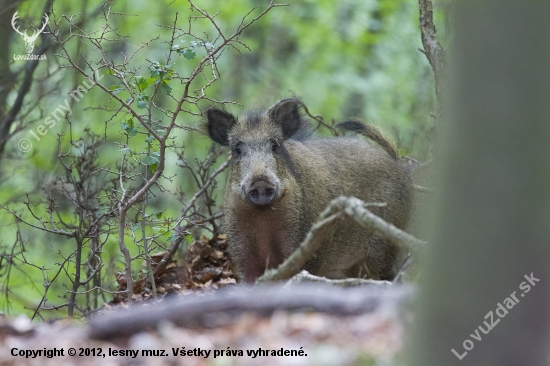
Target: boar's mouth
point(261, 193)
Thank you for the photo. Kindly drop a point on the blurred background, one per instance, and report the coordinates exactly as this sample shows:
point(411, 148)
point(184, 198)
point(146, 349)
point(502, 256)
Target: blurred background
point(350, 58)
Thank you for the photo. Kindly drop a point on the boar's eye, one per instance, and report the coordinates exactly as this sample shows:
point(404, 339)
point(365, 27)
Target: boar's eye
point(238, 150)
point(274, 145)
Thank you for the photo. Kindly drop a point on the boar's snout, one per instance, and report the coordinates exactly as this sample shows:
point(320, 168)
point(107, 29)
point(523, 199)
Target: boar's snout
point(261, 193)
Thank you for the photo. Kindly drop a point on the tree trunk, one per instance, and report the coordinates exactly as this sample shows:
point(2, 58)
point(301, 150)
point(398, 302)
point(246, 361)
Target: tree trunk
point(490, 222)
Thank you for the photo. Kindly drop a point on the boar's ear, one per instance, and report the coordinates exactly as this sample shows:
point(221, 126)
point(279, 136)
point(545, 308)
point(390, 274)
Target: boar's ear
point(287, 114)
point(218, 123)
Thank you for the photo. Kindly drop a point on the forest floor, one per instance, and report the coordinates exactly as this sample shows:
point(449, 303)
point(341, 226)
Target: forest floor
point(300, 337)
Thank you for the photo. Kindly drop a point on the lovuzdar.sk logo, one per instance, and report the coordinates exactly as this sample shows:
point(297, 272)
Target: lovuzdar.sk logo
point(29, 40)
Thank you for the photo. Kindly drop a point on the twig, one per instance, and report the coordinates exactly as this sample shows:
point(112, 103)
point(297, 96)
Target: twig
point(406, 264)
point(320, 120)
point(174, 245)
point(422, 189)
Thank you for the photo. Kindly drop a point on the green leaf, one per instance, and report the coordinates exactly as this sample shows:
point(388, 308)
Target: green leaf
point(150, 160)
point(165, 88)
point(159, 215)
point(142, 83)
point(141, 104)
point(124, 126)
point(115, 89)
point(126, 149)
point(150, 139)
point(131, 131)
point(189, 53)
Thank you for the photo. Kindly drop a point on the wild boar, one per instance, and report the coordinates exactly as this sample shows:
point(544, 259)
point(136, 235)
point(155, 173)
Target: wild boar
point(281, 179)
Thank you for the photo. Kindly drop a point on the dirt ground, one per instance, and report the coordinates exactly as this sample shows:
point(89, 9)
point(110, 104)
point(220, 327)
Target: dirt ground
point(280, 338)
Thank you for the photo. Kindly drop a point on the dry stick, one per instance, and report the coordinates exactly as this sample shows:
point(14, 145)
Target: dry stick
point(206, 185)
point(122, 210)
point(203, 311)
point(435, 53)
point(76, 281)
point(305, 251)
point(319, 120)
point(305, 276)
point(355, 209)
point(399, 276)
point(422, 189)
point(176, 243)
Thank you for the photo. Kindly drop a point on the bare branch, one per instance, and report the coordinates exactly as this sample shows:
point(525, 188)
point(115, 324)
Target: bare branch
point(435, 53)
point(305, 251)
point(355, 209)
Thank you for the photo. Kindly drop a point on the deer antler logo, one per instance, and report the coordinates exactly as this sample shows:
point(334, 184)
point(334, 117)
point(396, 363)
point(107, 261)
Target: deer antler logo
point(29, 40)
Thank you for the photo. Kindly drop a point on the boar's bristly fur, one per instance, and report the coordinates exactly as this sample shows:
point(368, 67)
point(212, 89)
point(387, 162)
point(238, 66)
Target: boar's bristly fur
point(280, 180)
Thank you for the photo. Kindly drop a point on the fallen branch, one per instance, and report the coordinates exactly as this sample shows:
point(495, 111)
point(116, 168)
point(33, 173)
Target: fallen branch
point(305, 277)
point(293, 264)
point(226, 303)
point(353, 208)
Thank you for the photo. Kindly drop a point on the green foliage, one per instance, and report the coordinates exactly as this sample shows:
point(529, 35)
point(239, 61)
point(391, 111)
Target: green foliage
point(351, 58)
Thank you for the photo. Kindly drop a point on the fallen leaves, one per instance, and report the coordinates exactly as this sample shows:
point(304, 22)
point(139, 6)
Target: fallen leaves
point(206, 265)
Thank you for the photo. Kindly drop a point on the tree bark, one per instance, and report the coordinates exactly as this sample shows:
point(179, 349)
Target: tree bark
point(490, 221)
point(435, 53)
